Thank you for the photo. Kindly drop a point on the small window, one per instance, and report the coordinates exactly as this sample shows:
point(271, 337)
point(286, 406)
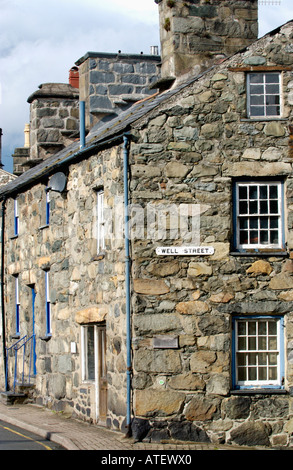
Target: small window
point(47, 206)
point(258, 356)
point(16, 218)
point(263, 95)
point(259, 209)
point(100, 222)
point(17, 306)
point(88, 353)
point(48, 304)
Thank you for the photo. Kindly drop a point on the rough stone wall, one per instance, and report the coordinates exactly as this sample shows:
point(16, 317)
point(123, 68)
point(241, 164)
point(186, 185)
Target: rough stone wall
point(189, 151)
point(195, 33)
point(86, 287)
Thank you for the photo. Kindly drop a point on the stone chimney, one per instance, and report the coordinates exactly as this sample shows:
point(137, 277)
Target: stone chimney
point(195, 34)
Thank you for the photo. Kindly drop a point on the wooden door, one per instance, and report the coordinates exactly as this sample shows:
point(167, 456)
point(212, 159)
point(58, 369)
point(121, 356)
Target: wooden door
point(102, 373)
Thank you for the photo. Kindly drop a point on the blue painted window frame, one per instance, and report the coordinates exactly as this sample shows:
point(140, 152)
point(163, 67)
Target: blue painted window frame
point(47, 191)
point(280, 386)
point(48, 305)
point(257, 248)
point(16, 218)
point(17, 306)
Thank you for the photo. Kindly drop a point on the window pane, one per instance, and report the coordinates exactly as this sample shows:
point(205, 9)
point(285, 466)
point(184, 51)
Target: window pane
point(263, 192)
point(262, 373)
point(272, 327)
point(263, 237)
point(253, 192)
point(243, 237)
point(243, 224)
point(274, 222)
point(253, 222)
point(273, 207)
point(90, 353)
point(256, 89)
point(273, 373)
point(243, 207)
point(274, 237)
point(252, 344)
point(272, 99)
point(252, 373)
point(257, 111)
point(272, 89)
point(272, 346)
point(242, 192)
point(262, 327)
point(253, 237)
point(263, 207)
point(241, 374)
point(256, 78)
point(257, 100)
point(253, 207)
point(252, 359)
point(252, 328)
point(273, 110)
point(273, 192)
point(242, 344)
point(272, 78)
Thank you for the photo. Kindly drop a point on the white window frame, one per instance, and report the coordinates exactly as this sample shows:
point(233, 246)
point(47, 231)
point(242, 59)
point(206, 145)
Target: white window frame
point(256, 364)
point(265, 95)
point(259, 216)
point(100, 222)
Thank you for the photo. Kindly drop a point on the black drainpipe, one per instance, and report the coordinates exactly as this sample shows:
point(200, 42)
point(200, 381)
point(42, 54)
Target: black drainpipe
point(2, 296)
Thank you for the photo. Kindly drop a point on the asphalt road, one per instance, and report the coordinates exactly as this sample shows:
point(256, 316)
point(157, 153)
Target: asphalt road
point(13, 438)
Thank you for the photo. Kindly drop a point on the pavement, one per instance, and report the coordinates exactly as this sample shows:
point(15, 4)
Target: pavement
point(73, 434)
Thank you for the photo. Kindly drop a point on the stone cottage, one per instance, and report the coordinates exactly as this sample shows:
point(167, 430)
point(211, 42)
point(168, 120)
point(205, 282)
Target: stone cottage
point(152, 266)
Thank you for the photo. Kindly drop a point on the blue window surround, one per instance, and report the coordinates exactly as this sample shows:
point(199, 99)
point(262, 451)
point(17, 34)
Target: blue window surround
point(47, 206)
point(16, 218)
point(48, 305)
point(17, 306)
point(282, 361)
point(236, 249)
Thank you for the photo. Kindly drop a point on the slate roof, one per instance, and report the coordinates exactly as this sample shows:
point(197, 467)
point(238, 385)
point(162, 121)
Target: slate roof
point(98, 137)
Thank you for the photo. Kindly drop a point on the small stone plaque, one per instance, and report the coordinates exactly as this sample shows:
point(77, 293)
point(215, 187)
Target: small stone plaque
point(165, 342)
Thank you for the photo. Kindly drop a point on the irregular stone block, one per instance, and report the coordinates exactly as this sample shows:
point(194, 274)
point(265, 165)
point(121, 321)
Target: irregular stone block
point(252, 434)
point(199, 269)
point(260, 267)
point(159, 361)
point(192, 307)
point(161, 403)
point(185, 431)
point(150, 287)
point(201, 408)
point(281, 281)
point(201, 361)
point(91, 314)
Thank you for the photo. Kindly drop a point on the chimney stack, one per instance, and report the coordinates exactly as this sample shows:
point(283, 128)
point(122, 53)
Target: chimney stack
point(74, 77)
point(195, 34)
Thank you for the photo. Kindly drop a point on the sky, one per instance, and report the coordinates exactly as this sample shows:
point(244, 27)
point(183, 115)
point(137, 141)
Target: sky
point(40, 40)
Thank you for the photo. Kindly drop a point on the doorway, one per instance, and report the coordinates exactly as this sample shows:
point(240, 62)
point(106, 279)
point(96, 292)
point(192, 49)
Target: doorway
point(94, 366)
